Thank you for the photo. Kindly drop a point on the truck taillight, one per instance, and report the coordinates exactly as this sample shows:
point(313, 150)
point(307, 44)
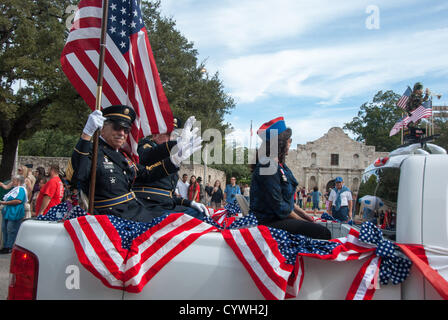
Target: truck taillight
point(381, 162)
point(23, 275)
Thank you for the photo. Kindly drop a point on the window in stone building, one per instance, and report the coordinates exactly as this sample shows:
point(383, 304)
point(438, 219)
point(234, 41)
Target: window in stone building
point(313, 159)
point(334, 159)
point(356, 160)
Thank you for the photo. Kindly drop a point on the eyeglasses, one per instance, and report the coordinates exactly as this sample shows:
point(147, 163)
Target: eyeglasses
point(117, 127)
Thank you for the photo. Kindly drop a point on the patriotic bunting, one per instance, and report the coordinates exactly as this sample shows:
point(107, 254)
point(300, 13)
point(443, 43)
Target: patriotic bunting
point(126, 255)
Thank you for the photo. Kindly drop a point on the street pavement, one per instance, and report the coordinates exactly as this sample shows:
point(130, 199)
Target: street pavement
point(4, 275)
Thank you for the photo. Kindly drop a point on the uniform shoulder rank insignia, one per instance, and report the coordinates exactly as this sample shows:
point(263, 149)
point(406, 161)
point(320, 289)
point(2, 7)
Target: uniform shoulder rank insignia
point(147, 146)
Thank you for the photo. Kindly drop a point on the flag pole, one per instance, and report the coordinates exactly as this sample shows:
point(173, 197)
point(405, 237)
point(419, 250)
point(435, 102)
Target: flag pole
point(99, 92)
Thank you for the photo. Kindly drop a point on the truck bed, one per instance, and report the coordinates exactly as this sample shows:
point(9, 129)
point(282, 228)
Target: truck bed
point(207, 270)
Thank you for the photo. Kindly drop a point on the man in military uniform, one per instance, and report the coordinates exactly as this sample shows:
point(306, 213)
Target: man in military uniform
point(158, 196)
point(115, 171)
point(416, 99)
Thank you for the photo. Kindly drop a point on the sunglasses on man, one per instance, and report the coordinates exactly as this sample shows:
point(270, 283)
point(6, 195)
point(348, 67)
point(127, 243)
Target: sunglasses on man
point(118, 127)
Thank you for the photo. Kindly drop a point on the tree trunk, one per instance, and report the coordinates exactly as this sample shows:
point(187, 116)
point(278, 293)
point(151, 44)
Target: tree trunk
point(10, 144)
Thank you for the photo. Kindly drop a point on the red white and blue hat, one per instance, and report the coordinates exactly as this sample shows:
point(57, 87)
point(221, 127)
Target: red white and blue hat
point(268, 127)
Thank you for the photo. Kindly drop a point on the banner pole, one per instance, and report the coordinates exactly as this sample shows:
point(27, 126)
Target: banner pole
point(99, 93)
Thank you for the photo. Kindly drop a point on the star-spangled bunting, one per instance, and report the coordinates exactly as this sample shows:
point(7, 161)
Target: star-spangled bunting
point(130, 72)
point(129, 253)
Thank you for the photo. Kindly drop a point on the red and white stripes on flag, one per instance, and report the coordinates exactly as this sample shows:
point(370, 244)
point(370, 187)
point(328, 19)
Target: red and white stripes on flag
point(260, 255)
point(420, 113)
point(130, 72)
point(402, 123)
point(432, 262)
point(99, 249)
point(404, 98)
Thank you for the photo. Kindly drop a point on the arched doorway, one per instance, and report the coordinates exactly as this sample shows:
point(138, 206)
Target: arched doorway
point(330, 185)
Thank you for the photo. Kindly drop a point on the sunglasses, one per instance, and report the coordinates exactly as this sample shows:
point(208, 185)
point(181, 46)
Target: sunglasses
point(117, 127)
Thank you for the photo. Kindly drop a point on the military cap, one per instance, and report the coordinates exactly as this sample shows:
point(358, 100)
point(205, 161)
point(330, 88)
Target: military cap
point(123, 115)
point(268, 127)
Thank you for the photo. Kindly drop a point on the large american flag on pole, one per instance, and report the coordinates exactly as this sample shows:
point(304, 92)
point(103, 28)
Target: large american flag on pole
point(404, 98)
point(130, 73)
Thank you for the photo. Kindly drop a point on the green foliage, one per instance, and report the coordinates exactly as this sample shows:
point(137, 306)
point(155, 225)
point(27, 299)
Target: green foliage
point(51, 143)
point(441, 127)
point(375, 120)
point(32, 36)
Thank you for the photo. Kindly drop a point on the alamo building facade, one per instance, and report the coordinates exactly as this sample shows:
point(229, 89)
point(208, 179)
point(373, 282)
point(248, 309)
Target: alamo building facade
point(319, 162)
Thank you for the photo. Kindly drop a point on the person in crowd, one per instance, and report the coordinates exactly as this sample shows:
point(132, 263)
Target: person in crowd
point(217, 195)
point(13, 212)
point(182, 187)
point(158, 196)
point(300, 197)
point(272, 191)
point(34, 202)
point(308, 199)
point(115, 171)
point(316, 195)
point(39, 173)
point(52, 193)
point(231, 190)
point(246, 192)
point(201, 190)
point(341, 201)
point(208, 193)
point(193, 189)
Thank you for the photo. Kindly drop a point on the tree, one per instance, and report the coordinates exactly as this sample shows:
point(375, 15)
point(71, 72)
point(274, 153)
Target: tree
point(32, 36)
point(375, 120)
point(31, 41)
point(441, 127)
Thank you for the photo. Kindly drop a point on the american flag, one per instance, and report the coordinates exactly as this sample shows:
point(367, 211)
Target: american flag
point(432, 262)
point(404, 98)
point(403, 122)
point(424, 111)
point(130, 72)
point(273, 259)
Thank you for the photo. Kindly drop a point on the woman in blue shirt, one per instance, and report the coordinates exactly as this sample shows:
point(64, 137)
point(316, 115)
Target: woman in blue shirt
point(13, 212)
point(273, 186)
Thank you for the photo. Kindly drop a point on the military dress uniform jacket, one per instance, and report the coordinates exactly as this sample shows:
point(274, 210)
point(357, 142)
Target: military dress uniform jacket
point(115, 175)
point(157, 195)
point(272, 196)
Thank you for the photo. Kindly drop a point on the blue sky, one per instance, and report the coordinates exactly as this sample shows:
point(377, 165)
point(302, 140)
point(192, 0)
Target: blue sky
point(314, 62)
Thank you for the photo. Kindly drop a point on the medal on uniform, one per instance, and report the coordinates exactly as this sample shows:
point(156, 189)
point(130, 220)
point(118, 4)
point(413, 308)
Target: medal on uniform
point(283, 175)
point(108, 165)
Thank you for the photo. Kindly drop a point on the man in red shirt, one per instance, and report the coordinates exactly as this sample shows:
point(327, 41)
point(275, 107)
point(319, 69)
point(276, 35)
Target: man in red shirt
point(52, 192)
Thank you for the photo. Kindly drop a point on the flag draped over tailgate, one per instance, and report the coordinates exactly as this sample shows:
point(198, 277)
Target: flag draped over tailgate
point(126, 255)
point(130, 72)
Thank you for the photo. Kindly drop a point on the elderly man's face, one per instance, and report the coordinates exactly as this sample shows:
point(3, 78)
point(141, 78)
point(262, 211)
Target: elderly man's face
point(339, 185)
point(114, 134)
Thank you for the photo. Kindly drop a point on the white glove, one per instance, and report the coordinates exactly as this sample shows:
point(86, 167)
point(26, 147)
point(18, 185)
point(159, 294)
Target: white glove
point(188, 131)
point(182, 152)
point(200, 207)
point(94, 122)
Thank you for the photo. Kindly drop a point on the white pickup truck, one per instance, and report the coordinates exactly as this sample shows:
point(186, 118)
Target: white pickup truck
point(411, 182)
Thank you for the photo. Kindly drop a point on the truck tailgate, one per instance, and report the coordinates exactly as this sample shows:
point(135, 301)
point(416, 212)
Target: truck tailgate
point(61, 275)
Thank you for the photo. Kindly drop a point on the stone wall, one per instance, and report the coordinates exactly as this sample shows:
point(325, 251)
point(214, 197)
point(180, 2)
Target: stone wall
point(312, 162)
point(211, 175)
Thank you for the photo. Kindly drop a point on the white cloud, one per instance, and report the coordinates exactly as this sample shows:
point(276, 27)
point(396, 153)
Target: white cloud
point(333, 73)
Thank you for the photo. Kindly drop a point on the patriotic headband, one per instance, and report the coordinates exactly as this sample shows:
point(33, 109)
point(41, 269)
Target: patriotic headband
point(275, 124)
